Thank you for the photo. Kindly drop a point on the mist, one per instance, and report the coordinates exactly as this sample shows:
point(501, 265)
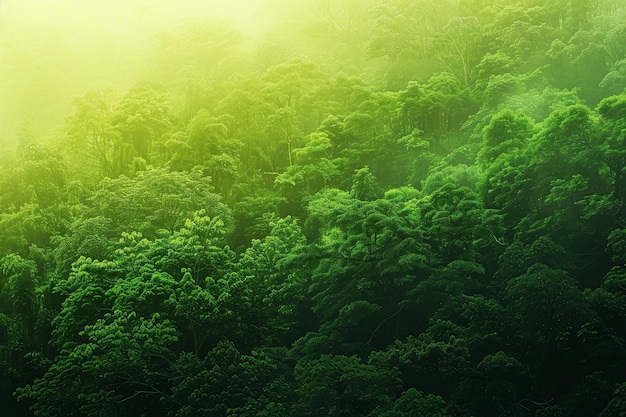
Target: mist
point(53, 50)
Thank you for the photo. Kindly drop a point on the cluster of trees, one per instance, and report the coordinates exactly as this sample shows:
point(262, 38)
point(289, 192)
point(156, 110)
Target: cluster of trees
point(420, 213)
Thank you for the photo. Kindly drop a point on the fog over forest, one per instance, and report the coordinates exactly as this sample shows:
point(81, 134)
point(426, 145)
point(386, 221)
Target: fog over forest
point(53, 50)
point(380, 208)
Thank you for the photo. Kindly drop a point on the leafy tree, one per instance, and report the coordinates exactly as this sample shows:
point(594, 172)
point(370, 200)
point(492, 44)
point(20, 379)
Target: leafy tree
point(224, 382)
point(437, 108)
point(457, 46)
point(616, 405)
point(86, 237)
point(440, 352)
point(611, 109)
point(92, 140)
point(402, 32)
point(155, 199)
point(553, 310)
point(20, 280)
point(141, 117)
point(278, 286)
point(32, 198)
point(506, 131)
point(123, 322)
point(342, 386)
point(119, 366)
point(453, 221)
point(364, 186)
point(206, 137)
point(371, 253)
point(521, 32)
point(195, 58)
point(415, 403)
point(314, 169)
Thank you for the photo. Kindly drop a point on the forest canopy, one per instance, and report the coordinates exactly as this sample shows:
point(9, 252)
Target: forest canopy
point(382, 208)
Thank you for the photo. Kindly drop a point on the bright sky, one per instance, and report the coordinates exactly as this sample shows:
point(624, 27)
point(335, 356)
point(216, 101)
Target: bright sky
point(109, 11)
point(47, 42)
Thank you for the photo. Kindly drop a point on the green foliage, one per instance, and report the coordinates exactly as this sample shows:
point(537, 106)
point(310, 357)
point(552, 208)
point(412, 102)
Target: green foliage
point(364, 186)
point(122, 351)
point(367, 208)
point(225, 382)
point(275, 268)
point(155, 199)
point(414, 403)
point(342, 386)
point(616, 406)
point(506, 131)
point(611, 109)
point(92, 141)
point(19, 281)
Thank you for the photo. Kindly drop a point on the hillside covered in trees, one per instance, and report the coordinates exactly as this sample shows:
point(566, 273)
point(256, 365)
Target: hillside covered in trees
point(378, 208)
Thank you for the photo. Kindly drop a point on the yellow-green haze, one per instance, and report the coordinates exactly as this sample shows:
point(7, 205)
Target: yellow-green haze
point(52, 50)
